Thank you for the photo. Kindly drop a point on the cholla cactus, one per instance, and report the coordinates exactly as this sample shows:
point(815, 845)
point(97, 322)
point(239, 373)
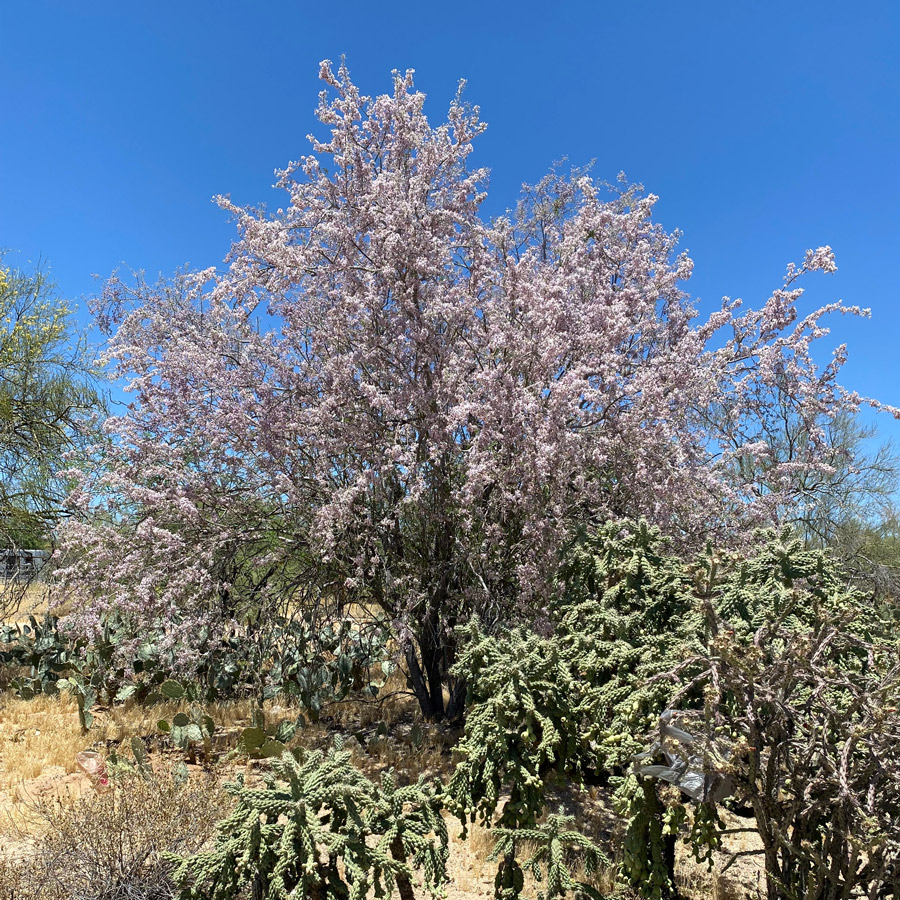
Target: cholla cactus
point(308, 835)
point(522, 727)
point(628, 612)
point(409, 820)
point(553, 847)
point(580, 700)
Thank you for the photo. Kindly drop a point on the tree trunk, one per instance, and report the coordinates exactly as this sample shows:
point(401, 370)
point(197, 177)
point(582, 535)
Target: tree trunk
point(457, 705)
point(432, 658)
point(418, 683)
point(427, 685)
point(428, 662)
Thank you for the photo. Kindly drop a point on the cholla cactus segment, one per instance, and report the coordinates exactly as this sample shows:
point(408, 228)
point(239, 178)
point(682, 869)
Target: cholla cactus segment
point(320, 828)
point(555, 850)
point(412, 828)
point(521, 726)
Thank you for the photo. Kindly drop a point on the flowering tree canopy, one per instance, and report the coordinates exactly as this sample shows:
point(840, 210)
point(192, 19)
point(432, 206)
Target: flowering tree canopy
point(414, 406)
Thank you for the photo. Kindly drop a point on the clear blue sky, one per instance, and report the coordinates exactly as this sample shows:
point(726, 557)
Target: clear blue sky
point(765, 128)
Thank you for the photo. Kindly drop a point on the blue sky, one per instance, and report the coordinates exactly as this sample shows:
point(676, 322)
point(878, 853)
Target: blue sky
point(765, 128)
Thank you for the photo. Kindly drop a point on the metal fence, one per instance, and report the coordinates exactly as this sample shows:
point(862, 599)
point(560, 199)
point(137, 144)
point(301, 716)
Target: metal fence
point(22, 565)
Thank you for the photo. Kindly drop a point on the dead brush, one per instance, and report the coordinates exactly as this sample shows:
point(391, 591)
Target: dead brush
point(109, 846)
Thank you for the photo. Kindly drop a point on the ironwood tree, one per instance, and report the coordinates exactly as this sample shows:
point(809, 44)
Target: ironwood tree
point(425, 404)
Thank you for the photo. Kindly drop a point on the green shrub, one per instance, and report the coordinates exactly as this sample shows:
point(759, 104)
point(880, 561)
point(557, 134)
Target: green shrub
point(523, 726)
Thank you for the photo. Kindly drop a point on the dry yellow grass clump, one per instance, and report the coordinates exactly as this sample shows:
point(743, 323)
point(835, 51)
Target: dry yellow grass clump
point(31, 600)
point(36, 735)
point(44, 732)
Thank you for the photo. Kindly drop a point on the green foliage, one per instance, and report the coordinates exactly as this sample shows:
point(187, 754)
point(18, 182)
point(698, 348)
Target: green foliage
point(579, 703)
point(510, 879)
point(631, 610)
point(141, 757)
point(634, 628)
point(311, 664)
point(265, 742)
point(410, 827)
point(314, 663)
point(648, 848)
point(764, 654)
point(47, 395)
point(47, 660)
point(49, 663)
point(579, 700)
point(706, 832)
point(85, 695)
point(554, 849)
point(37, 648)
point(783, 580)
point(120, 766)
point(38, 657)
point(628, 612)
point(320, 828)
point(869, 549)
point(192, 728)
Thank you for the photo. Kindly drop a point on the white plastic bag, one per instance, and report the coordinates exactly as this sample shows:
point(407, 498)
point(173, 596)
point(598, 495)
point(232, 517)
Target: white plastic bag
point(94, 766)
point(692, 774)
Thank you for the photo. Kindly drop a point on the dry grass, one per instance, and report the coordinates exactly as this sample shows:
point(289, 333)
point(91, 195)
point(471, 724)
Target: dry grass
point(724, 881)
point(36, 735)
point(471, 875)
point(39, 739)
point(33, 599)
point(44, 732)
point(42, 735)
